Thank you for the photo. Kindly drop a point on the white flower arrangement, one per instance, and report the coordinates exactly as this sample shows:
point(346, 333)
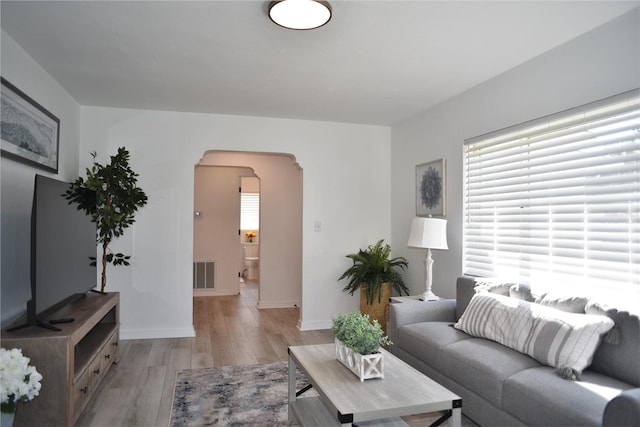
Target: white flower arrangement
point(19, 381)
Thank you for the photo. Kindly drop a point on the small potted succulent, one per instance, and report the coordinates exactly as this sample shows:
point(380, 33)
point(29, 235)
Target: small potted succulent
point(358, 341)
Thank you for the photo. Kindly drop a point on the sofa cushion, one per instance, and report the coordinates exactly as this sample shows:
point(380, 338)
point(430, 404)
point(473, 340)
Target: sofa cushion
point(493, 285)
point(464, 292)
point(426, 340)
point(522, 292)
point(482, 366)
point(553, 337)
point(571, 304)
point(539, 397)
point(618, 357)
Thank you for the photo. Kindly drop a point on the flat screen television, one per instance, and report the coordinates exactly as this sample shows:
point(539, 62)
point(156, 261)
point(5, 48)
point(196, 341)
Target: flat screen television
point(63, 239)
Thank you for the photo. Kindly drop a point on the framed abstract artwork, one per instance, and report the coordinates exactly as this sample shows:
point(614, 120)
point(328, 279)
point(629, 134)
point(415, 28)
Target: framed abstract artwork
point(431, 189)
point(29, 133)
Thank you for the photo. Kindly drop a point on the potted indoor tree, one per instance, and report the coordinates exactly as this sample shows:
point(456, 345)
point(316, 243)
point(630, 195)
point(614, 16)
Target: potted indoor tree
point(375, 274)
point(358, 340)
point(110, 195)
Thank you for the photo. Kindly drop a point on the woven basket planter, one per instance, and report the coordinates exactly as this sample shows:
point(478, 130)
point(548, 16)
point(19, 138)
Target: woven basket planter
point(378, 310)
point(364, 366)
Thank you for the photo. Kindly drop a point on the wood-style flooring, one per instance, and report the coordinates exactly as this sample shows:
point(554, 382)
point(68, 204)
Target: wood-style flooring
point(230, 330)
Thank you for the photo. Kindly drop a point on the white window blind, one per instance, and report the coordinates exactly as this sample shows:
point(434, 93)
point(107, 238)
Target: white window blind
point(250, 211)
point(556, 202)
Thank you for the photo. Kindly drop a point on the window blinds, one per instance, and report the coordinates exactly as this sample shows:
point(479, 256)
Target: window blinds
point(249, 211)
point(556, 202)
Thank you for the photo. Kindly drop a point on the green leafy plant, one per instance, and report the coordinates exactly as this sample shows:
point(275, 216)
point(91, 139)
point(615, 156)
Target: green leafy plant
point(110, 195)
point(358, 333)
point(371, 268)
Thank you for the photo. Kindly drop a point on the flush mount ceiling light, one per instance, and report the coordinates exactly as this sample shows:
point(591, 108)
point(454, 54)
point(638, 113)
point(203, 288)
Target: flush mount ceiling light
point(300, 14)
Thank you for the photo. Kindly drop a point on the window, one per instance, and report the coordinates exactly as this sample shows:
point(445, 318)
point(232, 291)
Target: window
point(556, 202)
point(250, 211)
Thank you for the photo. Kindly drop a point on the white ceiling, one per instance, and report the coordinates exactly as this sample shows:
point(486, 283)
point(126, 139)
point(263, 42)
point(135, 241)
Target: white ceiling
point(375, 62)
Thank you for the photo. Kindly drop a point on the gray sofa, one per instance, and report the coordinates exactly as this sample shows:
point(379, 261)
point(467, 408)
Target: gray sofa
point(502, 387)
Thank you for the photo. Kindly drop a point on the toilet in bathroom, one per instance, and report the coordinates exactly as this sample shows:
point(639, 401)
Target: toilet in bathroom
point(252, 260)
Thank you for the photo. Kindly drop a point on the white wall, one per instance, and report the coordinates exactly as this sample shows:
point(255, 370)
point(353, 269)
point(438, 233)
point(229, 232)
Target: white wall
point(215, 231)
point(346, 187)
point(596, 65)
point(17, 178)
point(250, 184)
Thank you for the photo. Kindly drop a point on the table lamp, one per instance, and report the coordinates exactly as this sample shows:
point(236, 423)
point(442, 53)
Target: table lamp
point(428, 233)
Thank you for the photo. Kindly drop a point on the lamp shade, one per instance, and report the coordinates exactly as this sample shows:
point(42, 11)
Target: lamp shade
point(428, 233)
point(300, 14)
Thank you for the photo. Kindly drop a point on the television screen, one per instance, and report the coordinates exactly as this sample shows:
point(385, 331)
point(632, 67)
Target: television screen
point(63, 239)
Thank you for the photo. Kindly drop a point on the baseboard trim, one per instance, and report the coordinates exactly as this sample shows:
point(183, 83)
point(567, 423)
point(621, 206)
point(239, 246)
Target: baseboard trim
point(278, 304)
point(313, 326)
point(214, 292)
point(140, 334)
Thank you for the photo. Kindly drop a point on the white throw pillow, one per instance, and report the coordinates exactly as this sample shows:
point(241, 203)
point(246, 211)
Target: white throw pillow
point(552, 337)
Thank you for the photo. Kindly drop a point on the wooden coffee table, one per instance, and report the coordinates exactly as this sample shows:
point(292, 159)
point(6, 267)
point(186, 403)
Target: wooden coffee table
point(343, 399)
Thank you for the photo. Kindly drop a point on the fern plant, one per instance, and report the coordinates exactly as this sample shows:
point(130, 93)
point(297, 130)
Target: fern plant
point(371, 268)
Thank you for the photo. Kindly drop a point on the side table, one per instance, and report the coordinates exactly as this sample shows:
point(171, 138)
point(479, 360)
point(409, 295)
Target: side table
point(410, 298)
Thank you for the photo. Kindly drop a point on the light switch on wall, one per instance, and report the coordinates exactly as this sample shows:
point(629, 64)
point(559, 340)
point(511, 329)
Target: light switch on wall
point(317, 226)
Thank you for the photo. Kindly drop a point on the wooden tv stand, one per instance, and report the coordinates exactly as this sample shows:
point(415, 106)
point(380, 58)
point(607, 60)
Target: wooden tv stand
point(72, 361)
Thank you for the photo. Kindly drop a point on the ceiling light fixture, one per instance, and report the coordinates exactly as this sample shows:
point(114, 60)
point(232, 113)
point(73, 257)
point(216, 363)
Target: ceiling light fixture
point(300, 14)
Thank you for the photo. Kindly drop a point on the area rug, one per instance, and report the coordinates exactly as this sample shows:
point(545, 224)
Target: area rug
point(254, 395)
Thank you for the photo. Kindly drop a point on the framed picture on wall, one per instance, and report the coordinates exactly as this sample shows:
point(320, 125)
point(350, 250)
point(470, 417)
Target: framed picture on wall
point(29, 133)
point(430, 188)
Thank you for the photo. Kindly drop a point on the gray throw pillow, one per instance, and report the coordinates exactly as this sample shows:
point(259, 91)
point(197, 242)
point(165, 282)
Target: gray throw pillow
point(495, 286)
point(522, 292)
point(570, 304)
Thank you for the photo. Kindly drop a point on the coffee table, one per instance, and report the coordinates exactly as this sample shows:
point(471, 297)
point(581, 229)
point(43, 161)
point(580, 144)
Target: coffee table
point(343, 399)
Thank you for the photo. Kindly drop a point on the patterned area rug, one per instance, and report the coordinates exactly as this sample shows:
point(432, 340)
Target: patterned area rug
point(232, 395)
point(254, 395)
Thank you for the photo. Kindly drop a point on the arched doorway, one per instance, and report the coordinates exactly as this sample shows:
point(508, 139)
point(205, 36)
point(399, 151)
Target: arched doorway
point(280, 217)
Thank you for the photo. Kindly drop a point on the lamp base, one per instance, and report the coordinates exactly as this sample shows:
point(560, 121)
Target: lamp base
point(429, 296)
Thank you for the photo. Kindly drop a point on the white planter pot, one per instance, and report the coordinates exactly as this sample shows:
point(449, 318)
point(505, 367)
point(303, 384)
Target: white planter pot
point(7, 419)
point(365, 367)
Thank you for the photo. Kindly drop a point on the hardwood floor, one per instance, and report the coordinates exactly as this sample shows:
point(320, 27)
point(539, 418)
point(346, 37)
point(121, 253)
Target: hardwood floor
point(230, 330)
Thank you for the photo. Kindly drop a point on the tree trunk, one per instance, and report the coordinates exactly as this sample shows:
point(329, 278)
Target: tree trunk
point(104, 266)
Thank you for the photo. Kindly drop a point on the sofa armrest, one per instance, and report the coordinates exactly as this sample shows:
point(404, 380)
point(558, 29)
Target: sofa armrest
point(401, 314)
point(623, 410)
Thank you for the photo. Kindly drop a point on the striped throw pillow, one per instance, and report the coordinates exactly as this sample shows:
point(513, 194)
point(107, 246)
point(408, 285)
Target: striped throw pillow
point(552, 337)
